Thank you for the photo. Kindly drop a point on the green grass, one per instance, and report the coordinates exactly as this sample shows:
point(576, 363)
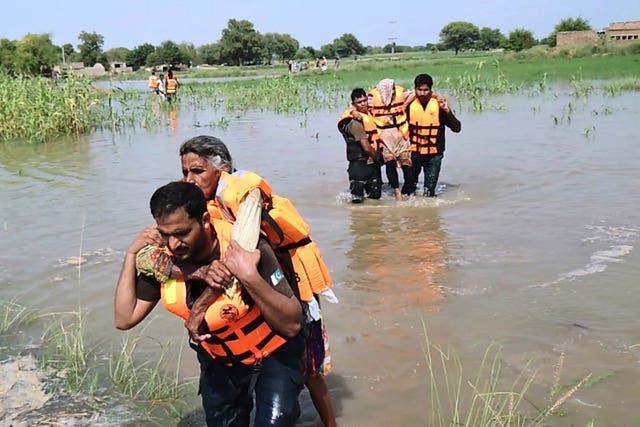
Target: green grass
point(145, 380)
point(38, 110)
point(11, 315)
point(66, 352)
point(83, 375)
point(487, 398)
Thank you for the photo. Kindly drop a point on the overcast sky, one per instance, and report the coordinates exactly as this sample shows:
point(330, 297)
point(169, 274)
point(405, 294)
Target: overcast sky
point(129, 23)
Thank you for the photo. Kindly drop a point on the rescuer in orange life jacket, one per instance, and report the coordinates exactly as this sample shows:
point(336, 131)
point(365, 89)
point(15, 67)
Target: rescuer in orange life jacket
point(250, 355)
point(361, 136)
point(205, 162)
point(427, 116)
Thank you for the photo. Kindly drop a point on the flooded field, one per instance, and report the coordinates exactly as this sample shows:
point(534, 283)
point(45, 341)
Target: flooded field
point(531, 246)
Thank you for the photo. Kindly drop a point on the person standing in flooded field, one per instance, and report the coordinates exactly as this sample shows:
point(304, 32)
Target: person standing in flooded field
point(153, 82)
point(206, 162)
point(161, 88)
point(361, 136)
point(171, 86)
point(258, 354)
point(387, 102)
point(427, 116)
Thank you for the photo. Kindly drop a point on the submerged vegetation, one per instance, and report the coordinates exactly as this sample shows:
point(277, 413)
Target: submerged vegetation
point(87, 382)
point(486, 398)
point(84, 377)
point(40, 109)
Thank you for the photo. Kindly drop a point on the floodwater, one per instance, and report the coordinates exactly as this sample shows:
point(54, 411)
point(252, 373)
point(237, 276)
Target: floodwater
point(531, 246)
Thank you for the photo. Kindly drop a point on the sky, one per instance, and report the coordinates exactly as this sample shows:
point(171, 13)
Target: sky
point(130, 23)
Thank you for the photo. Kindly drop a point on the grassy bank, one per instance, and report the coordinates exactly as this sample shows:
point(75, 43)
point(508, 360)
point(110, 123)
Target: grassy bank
point(597, 62)
point(40, 110)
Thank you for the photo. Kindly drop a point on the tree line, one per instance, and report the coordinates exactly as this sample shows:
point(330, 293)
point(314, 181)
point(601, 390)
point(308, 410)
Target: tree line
point(241, 44)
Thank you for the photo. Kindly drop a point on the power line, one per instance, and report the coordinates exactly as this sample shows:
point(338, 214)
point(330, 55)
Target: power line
point(393, 38)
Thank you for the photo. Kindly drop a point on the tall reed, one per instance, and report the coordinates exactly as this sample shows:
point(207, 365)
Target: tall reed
point(36, 109)
point(488, 400)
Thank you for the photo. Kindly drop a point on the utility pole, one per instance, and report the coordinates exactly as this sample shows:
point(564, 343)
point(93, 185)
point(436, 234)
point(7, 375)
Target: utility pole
point(392, 39)
point(62, 49)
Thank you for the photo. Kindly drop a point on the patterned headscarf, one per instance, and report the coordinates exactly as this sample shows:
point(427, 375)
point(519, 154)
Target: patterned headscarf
point(385, 89)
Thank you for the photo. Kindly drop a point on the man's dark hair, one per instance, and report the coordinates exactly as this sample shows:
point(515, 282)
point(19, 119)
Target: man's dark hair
point(357, 93)
point(210, 148)
point(175, 195)
point(423, 79)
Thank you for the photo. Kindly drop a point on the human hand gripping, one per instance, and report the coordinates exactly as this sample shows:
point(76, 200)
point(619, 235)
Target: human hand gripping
point(355, 113)
point(241, 263)
point(217, 277)
point(148, 236)
point(444, 105)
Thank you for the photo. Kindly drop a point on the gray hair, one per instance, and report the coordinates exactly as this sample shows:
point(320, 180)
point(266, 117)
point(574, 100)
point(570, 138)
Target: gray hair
point(211, 149)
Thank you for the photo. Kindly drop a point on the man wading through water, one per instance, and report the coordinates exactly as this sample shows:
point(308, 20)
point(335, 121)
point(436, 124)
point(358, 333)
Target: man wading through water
point(261, 353)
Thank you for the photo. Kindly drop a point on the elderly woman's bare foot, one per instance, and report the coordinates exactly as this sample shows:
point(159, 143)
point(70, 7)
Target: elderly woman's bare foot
point(398, 194)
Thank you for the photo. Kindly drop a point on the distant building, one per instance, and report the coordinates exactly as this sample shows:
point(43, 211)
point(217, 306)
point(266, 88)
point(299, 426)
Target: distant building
point(623, 31)
point(78, 69)
point(73, 68)
point(576, 38)
point(117, 67)
point(616, 32)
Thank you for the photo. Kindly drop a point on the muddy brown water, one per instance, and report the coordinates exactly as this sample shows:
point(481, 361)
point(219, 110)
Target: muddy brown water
point(531, 246)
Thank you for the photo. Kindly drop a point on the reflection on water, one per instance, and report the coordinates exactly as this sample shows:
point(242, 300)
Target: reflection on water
point(398, 256)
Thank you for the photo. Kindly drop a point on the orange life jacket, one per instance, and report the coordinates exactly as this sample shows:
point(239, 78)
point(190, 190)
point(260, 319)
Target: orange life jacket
point(282, 224)
point(394, 112)
point(153, 82)
point(423, 126)
point(354, 149)
point(239, 332)
point(172, 85)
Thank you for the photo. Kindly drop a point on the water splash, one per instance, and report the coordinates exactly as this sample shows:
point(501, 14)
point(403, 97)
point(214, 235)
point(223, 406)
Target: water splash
point(600, 260)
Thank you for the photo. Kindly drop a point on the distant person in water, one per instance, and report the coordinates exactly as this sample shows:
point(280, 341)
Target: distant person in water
point(171, 86)
point(161, 88)
point(153, 82)
point(427, 117)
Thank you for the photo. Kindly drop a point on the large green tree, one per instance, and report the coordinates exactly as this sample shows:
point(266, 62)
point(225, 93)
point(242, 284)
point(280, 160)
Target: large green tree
point(459, 35)
point(328, 50)
point(490, 39)
point(36, 55)
point(138, 56)
point(170, 53)
point(189, 53)
point(209, 53)
point(568, 24)
point(520, 39)
point(240, 43)
point(90, 47)
point(306, 52)
point(7, 55)
point(281, 46)
point(118, 54)
point(347, 45)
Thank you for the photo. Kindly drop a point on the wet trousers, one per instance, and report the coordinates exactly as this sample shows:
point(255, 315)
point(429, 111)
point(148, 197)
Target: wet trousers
point(226, 390)
point(430, 164)
point(408, 186)
point(364, 179)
